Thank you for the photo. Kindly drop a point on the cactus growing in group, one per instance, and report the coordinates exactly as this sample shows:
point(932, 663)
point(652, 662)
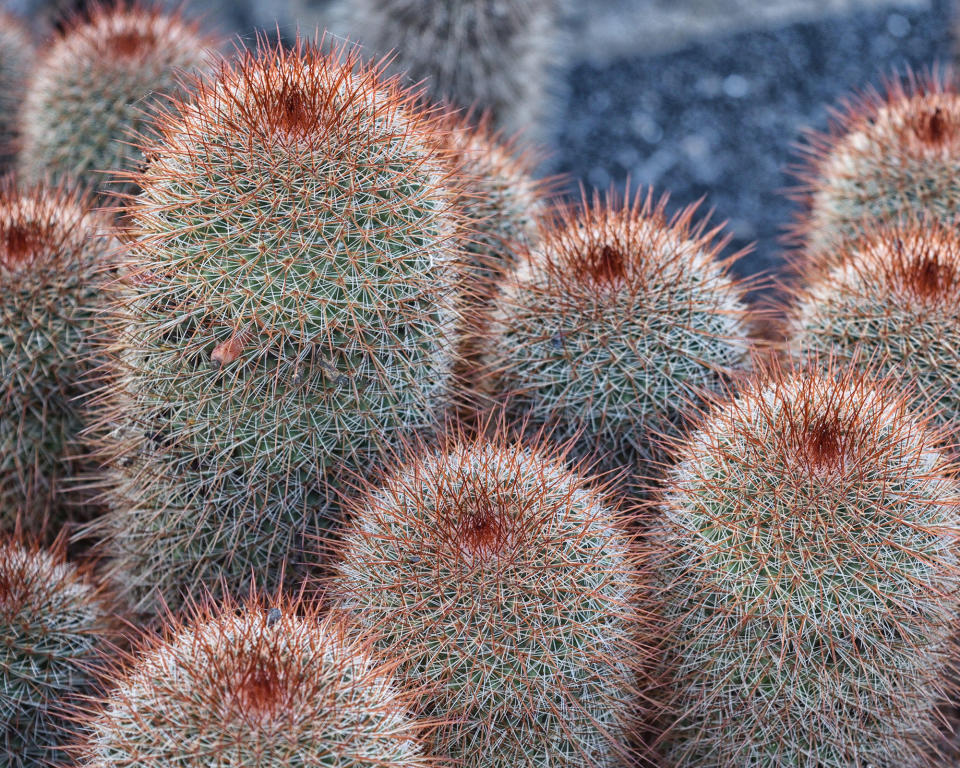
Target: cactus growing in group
point(16, 57)
point(807, 571)
point(490, 55)
point(54, 254)
point(891, 303)
point(889, 158)
point(247, 687)
point(614, 324)
point(294, 277)
point(505, 587)
point(52, 625)
point(96, 88)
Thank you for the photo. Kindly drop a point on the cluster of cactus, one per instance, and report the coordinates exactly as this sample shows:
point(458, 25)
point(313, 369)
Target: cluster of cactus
point(52, 621)
point(96, 88)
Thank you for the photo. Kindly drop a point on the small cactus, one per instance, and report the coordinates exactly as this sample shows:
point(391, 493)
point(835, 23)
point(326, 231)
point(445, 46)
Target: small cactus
point(54, 255)
point(16, 57)
point(807, 570)
point(614, 324)
point(250, 688)
point(891, 303)
point(52, 624)
point(98, 86)
point(505, 588)
point(291, 310)
point(490, 55)
point(889, 158)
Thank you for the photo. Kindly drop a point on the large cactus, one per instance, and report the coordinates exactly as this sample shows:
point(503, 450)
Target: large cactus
point(808, 573)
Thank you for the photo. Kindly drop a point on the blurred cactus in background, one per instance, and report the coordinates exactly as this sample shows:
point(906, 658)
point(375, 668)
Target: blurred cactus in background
point(16, 59)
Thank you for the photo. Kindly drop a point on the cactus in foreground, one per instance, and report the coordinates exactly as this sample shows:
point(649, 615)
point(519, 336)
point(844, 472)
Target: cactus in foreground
point(249, 688)
point(16, 58)
point(505, 588)
point(888, 158)
point(891, 303)
point(616, 322)
point(807, 569)
point(97, 87)
point(53, 257)
point(491, 55)
point(291, 308)
point(52, 623)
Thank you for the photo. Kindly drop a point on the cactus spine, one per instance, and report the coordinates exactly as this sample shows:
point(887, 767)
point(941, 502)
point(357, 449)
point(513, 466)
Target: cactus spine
point(505, 587)
point(807, 569)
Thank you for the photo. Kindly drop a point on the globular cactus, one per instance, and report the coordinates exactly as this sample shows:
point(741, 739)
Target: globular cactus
point(491, 55)
point(98, 86)
point(505, 587)
point(250, 688)
point(16, 58)
point(295, 269)
point(891, 303)
point(888, 158)
point(614, 324)
point(807, 571)
point(54, 259)
point(53, 622)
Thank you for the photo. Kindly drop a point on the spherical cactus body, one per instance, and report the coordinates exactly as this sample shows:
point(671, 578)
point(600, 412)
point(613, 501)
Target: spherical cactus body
point(295, 273)
point(888, 159)
point(614, 324)
point(490, 55)
point(253, 688)
point(891, 303)
point(505, 587)
point(16, 58)
point(96, 87)
point(54, 257)
point(806, 568)
point(52, 623)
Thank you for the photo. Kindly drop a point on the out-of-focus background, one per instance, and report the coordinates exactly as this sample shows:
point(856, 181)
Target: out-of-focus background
point(701, 98)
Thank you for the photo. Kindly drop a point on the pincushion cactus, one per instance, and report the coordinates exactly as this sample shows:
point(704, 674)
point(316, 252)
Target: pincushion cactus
point(291, 309)
point(54, 257)
point(807, 571)
point(16, 58)
point(99, 85)
point(505, 588)
point(249, 688)
point(52, 623)
point(491, 55)
point(888, 158)
point(616, 323)
point(891, 303)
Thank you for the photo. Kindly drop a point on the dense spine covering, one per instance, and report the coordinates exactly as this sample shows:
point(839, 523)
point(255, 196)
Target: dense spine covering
point(54, 259)
point(16, 58)
point(505, 587)
point(888, 158)
point(891, 303)
point(807, 569)
point(96, 88)
point(254, 688)
point(493, 56)
point(52, 626)
point(291, 310)
point(615, 324)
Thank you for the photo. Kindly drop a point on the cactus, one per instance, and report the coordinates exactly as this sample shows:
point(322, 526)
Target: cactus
point(53, 257)
point(246, 688)
point(96, 87)
point(888, 158)
point(491, 55)
point(291, 310)
point(504, 586)
point(52, 621)
point(614, 324)
point(16, 58)
point(891, 303)
point(807, 571)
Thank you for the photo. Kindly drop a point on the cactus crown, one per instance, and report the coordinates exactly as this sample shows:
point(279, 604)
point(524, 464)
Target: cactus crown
point(505, 585)
point(246, 687)
point(809, 574)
